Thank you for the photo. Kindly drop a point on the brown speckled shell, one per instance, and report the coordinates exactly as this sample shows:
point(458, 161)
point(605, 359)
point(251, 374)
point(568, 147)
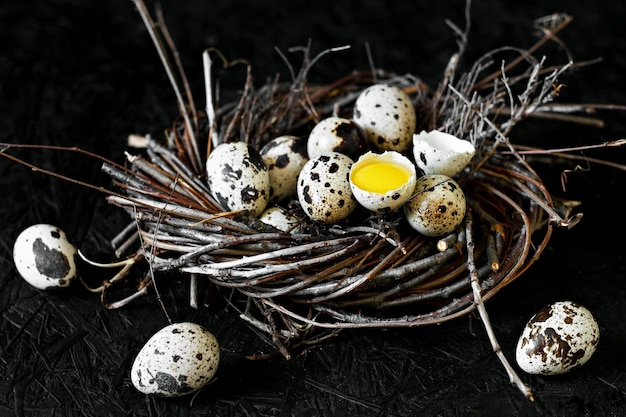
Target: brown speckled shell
point(438, 207)
point(560, 337)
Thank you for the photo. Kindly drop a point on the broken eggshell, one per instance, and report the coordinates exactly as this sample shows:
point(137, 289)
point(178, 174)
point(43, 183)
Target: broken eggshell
point(280, 218)
point(44, 257)
point(441, 153)
point(382, 182)
point(177, 360)
point(558, 338)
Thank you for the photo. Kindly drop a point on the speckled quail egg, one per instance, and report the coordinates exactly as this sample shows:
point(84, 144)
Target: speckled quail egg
point(44, 257)
point(177, 360)
point(441, 153)
point(438, 206)
point(336, 134)
point(280, 218)
point(238, 178)
point(324, 188)
point(284, 157)
point(560, 337)
point(387, 116)
point(382, 182)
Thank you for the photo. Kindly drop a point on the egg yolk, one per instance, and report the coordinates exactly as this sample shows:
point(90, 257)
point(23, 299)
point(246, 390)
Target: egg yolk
point(380, 177)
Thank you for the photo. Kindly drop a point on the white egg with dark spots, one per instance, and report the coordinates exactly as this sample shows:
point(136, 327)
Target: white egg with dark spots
point(336, 134)
point(284, 157)
point(387, 116)
point(177, 360)
point(560, 337)
point(437, 207)
point(44, 257)
point(324, 188)
point(238, 178)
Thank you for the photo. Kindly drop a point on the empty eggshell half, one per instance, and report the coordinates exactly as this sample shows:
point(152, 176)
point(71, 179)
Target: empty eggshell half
point(439, 153)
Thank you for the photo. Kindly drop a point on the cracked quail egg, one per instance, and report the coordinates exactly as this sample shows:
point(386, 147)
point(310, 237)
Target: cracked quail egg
point(336, 134)
point(441, 153)
point(280, 218)
point(177, 360)
point(382, 182)
point(238, 178)
point(44, 257)
point(387, 116)
point(324, 188)
point(438, 206)
point(558, 338)
point(284, 157)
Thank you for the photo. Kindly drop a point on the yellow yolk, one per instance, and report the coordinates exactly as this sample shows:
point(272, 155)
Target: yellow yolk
point(380, 177)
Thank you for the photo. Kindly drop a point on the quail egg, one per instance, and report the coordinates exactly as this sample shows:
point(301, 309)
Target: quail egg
point(438, 206)
point(336, 134)
point(284, 157)
point(238, 177)
point(324, 188)
point(382, 182)
point(44, 257)
point(177, 360)
point(558, 338)
point(387, 116)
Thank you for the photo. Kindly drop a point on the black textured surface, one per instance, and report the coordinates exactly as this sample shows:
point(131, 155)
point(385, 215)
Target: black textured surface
point(86, 74)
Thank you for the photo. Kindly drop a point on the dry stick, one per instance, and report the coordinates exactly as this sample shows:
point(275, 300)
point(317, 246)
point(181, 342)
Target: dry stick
point(151, 269)
point(125, 265)
point(163, 177)
point(179, 64)
point(564, 152)
point(190, 140)
point(210, 107)
point(180, 169)
point(123, 235)
point(548, 34)
point(452, 65)
point(35, 168)
point(143, 289)
point(578, 64)
point(253, 273)
point(480, 306)
point(171, 264)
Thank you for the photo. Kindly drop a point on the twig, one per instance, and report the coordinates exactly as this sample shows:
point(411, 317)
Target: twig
point(480, 306)
point(189, 137)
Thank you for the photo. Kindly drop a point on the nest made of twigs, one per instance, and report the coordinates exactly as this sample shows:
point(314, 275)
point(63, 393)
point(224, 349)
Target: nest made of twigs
point(374, 270)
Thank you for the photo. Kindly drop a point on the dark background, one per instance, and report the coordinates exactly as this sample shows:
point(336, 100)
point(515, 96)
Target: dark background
point(85, 74)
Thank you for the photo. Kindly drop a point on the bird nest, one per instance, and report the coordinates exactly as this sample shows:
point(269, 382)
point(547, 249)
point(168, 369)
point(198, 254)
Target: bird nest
point(372, 270)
